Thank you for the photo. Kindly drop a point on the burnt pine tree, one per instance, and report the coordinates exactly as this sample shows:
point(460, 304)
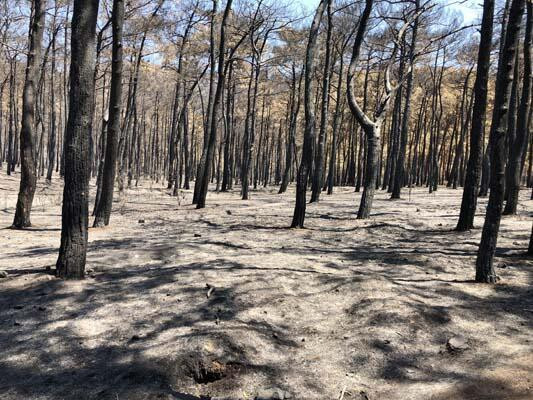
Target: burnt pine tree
point(103, 208)
point(294, 109)
point(321, 150)
point(485, 167)
point(28, 176)
point(309, 130)
point(399, 176)
point(75, 214)
point(53, 115)
point(251, 103)
point(475, 158)
point(202, 163)
point(337, 115)
point(484, 264)
point(520, 142)
point(372, 128)
point(203, 180)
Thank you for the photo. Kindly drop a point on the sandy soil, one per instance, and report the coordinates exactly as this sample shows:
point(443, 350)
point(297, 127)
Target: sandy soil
point(365, 306)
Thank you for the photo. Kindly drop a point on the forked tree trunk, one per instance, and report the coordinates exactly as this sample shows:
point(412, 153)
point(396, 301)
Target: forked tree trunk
point(372, 128)
point(75, 213)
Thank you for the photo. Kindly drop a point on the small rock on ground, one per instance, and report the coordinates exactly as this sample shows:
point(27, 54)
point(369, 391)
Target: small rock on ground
point(456, 344)
point(273, 394)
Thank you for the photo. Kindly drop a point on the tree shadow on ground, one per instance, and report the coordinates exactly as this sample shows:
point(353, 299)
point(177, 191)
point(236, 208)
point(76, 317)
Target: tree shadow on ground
point(57, 344)
point(60, 362)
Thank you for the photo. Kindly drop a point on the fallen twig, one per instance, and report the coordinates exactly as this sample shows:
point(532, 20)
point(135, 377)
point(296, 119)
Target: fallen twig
point(210, 290)
point(342, 392)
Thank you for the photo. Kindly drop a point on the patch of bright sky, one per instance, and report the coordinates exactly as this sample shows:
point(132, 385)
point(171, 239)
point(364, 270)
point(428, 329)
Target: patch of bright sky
point(470, 9)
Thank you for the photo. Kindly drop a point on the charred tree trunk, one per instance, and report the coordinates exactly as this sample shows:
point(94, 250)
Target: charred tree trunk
point(504, 80)
point(203, 165)
point(212, 136)
point(399, 177)
point(520, 143)
point(336, 124)
point(28, 177)
point(103, 210)
point(75, 213)
point(249, 128)
point(293, 120)
point(309, 130)
point(228, 132)
point(459, 149)
point(320, 158)
point(372, 128)
point(53, 115)
point(11, 134)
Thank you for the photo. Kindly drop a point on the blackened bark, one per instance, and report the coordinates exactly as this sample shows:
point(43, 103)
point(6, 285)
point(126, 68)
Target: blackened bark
point(453, 178)
point(473, 169)
point(228, 131)
point(309, 130)
point(53, 115)
point(75, 213)
point(279, 153)
point(390, 171)
point(187, 152)
point(103, 134)
point(103, 210)
point(173, 131)
point(511, 129)
point(11, 133)
point(485, 172)
point(371, 172)
point(293, 120)
point(504, 80)
point(212, 137)
point(183, 133)
point(363, 145)
point(249, 127)
point(28, 177)
point(324, 114)
point(202, 168)
point(336, 124)
point(518, 146)
point(399, 177)
point(372, 128)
